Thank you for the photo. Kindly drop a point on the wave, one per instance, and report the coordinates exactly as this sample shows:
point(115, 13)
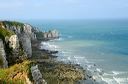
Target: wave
point(59, 39)
point(102, 77)
point(48, 46)
point(115, 80)
point(115, 77)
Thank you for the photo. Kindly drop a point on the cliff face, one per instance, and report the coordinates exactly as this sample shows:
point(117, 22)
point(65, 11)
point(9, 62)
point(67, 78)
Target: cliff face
point(24, 33)
point(3, 61)
point(13, 42)
point(17, 39)
point(26, 44)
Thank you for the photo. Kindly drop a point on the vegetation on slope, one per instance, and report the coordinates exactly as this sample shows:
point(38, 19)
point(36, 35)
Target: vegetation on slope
point(4, 33)
point(12, 23)
point(16, 74)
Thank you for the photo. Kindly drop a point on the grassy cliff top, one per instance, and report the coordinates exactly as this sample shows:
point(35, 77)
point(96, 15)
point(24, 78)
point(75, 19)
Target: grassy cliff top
point(11, 23)
point(5, 32)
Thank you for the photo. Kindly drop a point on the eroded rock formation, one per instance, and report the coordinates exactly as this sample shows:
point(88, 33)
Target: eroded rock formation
point(37, 76)
point(51, 34)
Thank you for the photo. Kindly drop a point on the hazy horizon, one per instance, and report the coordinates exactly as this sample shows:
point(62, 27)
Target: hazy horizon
point(63, 9)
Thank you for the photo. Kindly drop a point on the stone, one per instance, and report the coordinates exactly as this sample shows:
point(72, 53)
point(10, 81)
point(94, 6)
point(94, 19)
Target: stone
point(51, 34)
point(4, 63)
point(37, 76)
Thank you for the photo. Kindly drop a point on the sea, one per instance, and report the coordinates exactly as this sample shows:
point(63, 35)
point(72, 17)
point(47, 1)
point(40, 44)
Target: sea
point(99, 46)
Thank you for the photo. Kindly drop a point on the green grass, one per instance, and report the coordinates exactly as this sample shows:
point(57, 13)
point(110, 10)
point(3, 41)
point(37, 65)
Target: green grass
point(12, 23)
point(11, 74)
point(5, 32)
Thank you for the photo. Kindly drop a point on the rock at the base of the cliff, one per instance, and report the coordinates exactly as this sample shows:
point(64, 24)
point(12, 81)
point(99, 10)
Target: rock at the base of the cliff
point(37, 76)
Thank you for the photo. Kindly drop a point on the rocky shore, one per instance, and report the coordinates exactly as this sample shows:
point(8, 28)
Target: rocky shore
point(56, 72)
point(28, 64)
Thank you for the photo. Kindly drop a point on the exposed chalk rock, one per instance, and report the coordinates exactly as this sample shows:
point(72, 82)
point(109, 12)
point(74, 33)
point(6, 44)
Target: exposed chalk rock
point(3, 61)
point(28, 31)
point(51, 34)
point(55, 33)
point(14, 42)
point(37, 76)
point(25, 33)
point(26, 43)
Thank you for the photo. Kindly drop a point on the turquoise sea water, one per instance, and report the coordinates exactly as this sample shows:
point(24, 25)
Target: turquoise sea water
point(103, 43)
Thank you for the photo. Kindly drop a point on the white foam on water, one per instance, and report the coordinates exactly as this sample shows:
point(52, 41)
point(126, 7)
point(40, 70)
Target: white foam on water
point(113, 78)
point(81, 59)
point(98, 74)
point(48, 46)
point(118, 72)
point(89, 66)
point(59, 39)
point(69, 58)
point(116, 80)
point(121, 80)
point(109, 80)
point(115, 72)
point(99, 70)
point(107, 74)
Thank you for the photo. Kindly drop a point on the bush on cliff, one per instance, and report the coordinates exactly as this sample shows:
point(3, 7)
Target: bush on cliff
point(12, 23)
point(16, 74)
point(4, 33)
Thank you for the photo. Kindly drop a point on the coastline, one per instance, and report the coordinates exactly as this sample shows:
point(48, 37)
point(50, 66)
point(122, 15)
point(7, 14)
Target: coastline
point(89, 55)
point(59, 72)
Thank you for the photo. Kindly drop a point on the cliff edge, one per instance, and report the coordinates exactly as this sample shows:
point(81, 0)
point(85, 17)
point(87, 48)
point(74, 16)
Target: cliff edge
point(22, 61)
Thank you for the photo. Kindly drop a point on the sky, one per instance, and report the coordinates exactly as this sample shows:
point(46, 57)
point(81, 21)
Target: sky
point(63, 9)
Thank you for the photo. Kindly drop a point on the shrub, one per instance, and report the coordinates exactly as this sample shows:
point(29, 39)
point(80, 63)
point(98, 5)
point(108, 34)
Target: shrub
point(10, 75)
point(5, 32)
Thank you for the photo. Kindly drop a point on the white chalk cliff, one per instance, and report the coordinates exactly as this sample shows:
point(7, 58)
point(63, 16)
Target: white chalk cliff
point(3, 61)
